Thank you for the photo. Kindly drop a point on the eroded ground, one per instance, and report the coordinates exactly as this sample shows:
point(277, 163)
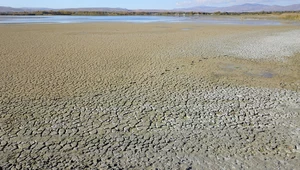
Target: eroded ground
point(137, 96)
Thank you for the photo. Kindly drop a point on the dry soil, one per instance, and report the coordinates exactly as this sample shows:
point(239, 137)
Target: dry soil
point(159, 95)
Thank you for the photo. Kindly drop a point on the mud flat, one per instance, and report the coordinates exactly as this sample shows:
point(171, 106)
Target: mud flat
point(147, 96)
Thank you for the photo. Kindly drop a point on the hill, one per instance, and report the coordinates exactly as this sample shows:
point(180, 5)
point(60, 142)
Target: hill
point(243, 8)
point(236, 8)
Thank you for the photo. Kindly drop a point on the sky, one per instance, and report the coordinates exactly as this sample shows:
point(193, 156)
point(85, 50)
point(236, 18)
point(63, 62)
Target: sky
point(137, 4)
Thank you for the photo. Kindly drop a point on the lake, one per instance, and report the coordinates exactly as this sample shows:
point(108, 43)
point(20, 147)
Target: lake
point(137, 19)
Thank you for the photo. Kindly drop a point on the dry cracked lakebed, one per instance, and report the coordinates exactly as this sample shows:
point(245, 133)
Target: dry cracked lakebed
point(149, 96)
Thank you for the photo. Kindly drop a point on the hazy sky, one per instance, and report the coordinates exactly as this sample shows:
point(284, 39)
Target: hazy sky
point(137, 4)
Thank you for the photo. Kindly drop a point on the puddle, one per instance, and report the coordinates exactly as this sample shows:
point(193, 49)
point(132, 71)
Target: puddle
point(230, 67)
point(163, 27)
point(237, 68)
point(263, 74)
point(186, 29)
point(267, 75)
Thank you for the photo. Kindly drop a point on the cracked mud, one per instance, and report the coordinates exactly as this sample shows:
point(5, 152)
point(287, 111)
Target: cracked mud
point(149, 96)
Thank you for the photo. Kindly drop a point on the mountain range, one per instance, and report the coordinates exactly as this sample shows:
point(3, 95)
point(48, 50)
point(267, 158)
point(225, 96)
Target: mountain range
point(243, 8)
point(236, 8)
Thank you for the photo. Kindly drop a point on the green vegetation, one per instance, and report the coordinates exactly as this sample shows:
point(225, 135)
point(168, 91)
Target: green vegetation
point(103, 13)
point(288, 15)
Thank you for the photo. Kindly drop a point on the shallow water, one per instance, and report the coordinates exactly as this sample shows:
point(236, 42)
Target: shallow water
point(84, 19)
point(138, 19)
point(267, 75)
point(186, 29)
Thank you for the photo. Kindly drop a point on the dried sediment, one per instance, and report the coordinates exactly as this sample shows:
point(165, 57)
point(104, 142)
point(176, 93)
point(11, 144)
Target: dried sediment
point(145, 96)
